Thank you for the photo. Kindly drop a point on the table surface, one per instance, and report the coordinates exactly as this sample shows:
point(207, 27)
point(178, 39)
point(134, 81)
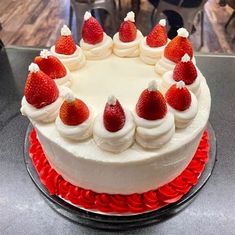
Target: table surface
point(24, 211)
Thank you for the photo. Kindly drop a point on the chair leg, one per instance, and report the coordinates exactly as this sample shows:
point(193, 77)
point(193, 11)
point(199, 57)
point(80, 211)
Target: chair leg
point(70, 17)
point(229, 20)
point(202, 29)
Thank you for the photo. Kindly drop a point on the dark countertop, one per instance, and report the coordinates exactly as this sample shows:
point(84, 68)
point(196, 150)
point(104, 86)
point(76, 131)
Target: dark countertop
point(24, 211)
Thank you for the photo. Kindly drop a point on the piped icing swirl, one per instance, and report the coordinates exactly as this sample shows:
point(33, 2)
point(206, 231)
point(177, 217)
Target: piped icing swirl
point(74, 61)
point(127, 49)
point(97, 51)
point(114, 141)
point(45, 114)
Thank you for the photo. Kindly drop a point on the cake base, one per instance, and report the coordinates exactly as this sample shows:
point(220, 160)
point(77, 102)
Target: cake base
point(167, 204)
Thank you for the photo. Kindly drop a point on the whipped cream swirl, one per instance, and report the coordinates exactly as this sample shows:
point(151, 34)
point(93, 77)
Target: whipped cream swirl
point(154, 134)
point(150, 55)
point(74, 61)
point(184, 118)
point(45, 114)
point(127, 49)
point(168, 81)
point(164, 65)
point(97, 51)
point(78, 132)
point(115, 142)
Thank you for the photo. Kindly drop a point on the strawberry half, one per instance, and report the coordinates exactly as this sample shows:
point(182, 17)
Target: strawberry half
point(178, 96)
point(158, 36)
point(178, 46)
point(50, 65)
point(185, 70)
point(127, 30)
point(114, 116)
point(151, 104)
point(40, 90)
point(73, 111)
point(92, 31)
point(65, 43)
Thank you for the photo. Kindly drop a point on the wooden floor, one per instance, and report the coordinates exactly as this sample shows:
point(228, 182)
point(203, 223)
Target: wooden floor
point(37, 23)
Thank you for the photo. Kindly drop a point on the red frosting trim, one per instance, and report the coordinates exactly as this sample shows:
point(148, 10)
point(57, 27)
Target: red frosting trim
point(116, 203)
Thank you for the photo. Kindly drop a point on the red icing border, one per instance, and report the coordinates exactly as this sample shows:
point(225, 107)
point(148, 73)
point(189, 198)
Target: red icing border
point(115, 203)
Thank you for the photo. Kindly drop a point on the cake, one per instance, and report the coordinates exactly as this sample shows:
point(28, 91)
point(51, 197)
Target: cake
point(122, 135)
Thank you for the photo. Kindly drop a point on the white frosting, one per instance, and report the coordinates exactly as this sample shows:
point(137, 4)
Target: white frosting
point(134, 170)
point(65, 31)
point(150, 55)
point(97, 51)
point(130, 16)
point(184, 118)
point(45, 114)
point(185, 58)
point(168, 81)
point(112, 100)
point(115, 142)
point(164, 65)
point(182, 32)
point(79, 132)
point(33, 68)
point(87, 15)
point(162, 22)
point(127, 49)
point(45, 53)
point(154, 134)
point(74, 62)
point(66, 80)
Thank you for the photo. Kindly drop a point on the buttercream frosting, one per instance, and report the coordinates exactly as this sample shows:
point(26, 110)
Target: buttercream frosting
point(74, 61)
point(127, 49)
point(97, 51)
point(114, 141)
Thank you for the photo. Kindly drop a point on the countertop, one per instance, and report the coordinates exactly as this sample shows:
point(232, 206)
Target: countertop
point(24, 211)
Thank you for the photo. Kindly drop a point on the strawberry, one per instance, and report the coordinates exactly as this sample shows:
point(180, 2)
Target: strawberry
point(40, 90)
point(92, 31)
point(151, 104)
point(178, 96)
point(73, 111)
point(127, 30)
point(50, 65)
point(178, 46)
point(185, 70)
point(65, 44)
point(114, 116)
point(158, 36)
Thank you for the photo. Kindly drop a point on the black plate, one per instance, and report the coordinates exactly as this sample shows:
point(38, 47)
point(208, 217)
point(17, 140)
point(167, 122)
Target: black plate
point(112, 222)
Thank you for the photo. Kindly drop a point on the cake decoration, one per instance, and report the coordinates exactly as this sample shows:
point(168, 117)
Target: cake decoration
point(182, 103)
point(126, 41)
point(155, 125)
point(41, 96)
point(174, 51)
point(95, 43)
point(114, 129)
point(75, 119)
point(152, 46)
point(67, 51)
point(186, 71)
point(53, 67)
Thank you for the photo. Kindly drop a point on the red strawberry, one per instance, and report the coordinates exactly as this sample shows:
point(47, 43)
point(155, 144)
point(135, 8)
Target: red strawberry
point(178, 46)
point(65, 44)
point(40, 90)
point(127, 30)
point(73, 111)
point(178, 96)
point(92, 31)
point(50, 65)
point(151, 104)
point(114, 116)
point(185, 70)
point(158, 36)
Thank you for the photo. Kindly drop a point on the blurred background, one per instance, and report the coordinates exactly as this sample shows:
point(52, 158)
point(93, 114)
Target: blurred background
point(37, 23)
